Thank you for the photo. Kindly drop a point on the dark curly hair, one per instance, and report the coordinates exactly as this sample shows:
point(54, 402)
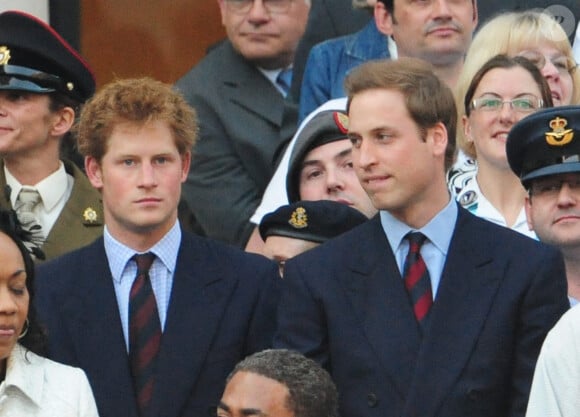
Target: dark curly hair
point(35, 338)
point(312, 392)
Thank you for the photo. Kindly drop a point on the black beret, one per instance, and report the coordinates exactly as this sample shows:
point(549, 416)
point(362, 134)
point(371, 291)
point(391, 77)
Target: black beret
point(327, 126)
point(33, 57)
point(315, 221)
point(546, 142)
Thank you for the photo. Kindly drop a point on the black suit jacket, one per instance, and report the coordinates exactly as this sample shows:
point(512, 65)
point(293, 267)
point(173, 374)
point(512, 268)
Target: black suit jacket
point(345, 306)
point(222, 308)
point(242, 123)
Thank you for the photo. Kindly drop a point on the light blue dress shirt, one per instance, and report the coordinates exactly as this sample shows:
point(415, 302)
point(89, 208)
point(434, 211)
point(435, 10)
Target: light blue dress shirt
point(124, 271)
point(439, 232)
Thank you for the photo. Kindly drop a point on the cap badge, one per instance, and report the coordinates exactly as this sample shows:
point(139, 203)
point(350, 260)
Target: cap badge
point(559, 136)
point(299, 219)
point(4, 55)
point(90, 215)
point(341, 121)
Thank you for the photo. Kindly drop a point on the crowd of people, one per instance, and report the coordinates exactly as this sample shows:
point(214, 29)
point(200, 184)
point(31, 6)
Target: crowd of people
point(384, 223)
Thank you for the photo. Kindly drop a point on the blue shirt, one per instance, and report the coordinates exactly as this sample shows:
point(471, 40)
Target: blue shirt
point(439, 231)
point(124, 271)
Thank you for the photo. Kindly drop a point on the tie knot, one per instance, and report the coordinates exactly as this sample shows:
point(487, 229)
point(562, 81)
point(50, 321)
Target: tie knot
point(284, 79)
point(144, 262)
point(416, 240)
point(29, 197)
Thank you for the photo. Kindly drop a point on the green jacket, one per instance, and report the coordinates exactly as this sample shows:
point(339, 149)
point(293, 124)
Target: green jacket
point(80, 221)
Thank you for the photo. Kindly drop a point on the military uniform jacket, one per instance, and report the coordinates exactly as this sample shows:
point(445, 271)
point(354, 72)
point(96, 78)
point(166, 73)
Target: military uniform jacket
point(80, 221)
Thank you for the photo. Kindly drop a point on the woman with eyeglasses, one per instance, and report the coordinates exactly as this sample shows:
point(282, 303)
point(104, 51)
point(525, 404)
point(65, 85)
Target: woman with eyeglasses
point(31, 385)
point(504, 91)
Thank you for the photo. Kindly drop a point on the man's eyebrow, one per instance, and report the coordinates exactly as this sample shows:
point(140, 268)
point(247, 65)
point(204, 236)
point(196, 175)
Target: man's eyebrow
point(244, 411)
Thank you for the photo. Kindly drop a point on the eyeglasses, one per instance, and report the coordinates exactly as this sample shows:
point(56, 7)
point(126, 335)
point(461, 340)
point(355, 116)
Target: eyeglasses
point(563, 63)
point(271, 6)
point(550, 187)
point(523, 104)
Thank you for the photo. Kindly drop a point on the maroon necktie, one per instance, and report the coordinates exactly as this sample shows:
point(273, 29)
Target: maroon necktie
point(144, 332)
point(416, 277)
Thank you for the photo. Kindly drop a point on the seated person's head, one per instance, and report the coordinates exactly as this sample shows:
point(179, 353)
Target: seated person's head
point(503, 91)
point(265, 33)
point(17, 290)
point(543, 150)
point(298, 227)
point(320, 166)
point(279, 383)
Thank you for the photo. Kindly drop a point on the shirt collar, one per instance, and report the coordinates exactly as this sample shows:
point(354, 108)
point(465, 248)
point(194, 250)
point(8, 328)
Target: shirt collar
point(51, 189)
point(439, 230)
point(165, 250)
point(23, 375)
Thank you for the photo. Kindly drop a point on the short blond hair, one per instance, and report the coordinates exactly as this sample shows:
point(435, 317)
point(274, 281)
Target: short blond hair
point(509, 33)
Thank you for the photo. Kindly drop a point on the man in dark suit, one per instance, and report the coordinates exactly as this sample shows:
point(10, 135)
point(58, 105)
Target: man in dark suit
point(238, 93)
point(425, 310)
point(156, 339)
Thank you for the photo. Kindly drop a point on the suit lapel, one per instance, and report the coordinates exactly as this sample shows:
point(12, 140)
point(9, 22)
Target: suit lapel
point(469, 284)
point(247, 87)
point(376, 292)
point(94, 324)
point(198, 299)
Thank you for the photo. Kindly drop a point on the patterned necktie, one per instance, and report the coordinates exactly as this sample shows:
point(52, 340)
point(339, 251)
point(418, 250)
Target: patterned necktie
point(284, 80)
point(144, 332)
point(26, 202)
point(416, 277)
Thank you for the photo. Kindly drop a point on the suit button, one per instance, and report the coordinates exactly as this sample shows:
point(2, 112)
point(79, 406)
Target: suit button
point(372, 400)
point(473, 394)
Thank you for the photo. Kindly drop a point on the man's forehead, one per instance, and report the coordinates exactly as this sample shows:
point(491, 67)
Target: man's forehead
point(338, 148)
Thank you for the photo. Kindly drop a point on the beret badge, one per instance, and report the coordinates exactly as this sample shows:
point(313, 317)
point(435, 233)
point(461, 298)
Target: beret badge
point(341, 121)
point(298, 219)
point(4, 55)
point(559, 136)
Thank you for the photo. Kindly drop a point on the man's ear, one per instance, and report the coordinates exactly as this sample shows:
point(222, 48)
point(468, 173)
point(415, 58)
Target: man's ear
point(94, 172)
point(185, 164)
point(439, 136)
point(383, 19)
point(529, 217)
point(223, 11)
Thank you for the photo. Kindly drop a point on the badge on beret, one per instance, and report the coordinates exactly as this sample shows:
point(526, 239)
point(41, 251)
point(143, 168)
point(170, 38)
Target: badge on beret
point(559, 136)
point(90, 215)
point(4, 55)
point(341, 121)
point(298, 219)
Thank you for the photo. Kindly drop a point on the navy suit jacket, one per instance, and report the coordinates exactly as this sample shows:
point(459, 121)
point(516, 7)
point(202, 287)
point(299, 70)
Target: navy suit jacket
point(222, 308)
point(500, 292)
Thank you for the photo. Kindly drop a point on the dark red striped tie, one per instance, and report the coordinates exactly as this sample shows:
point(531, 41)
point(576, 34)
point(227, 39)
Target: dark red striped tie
point(416, 277)
point(144, 332)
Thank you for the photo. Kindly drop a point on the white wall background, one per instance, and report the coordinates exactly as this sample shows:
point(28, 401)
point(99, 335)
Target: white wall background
point(38, 8)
